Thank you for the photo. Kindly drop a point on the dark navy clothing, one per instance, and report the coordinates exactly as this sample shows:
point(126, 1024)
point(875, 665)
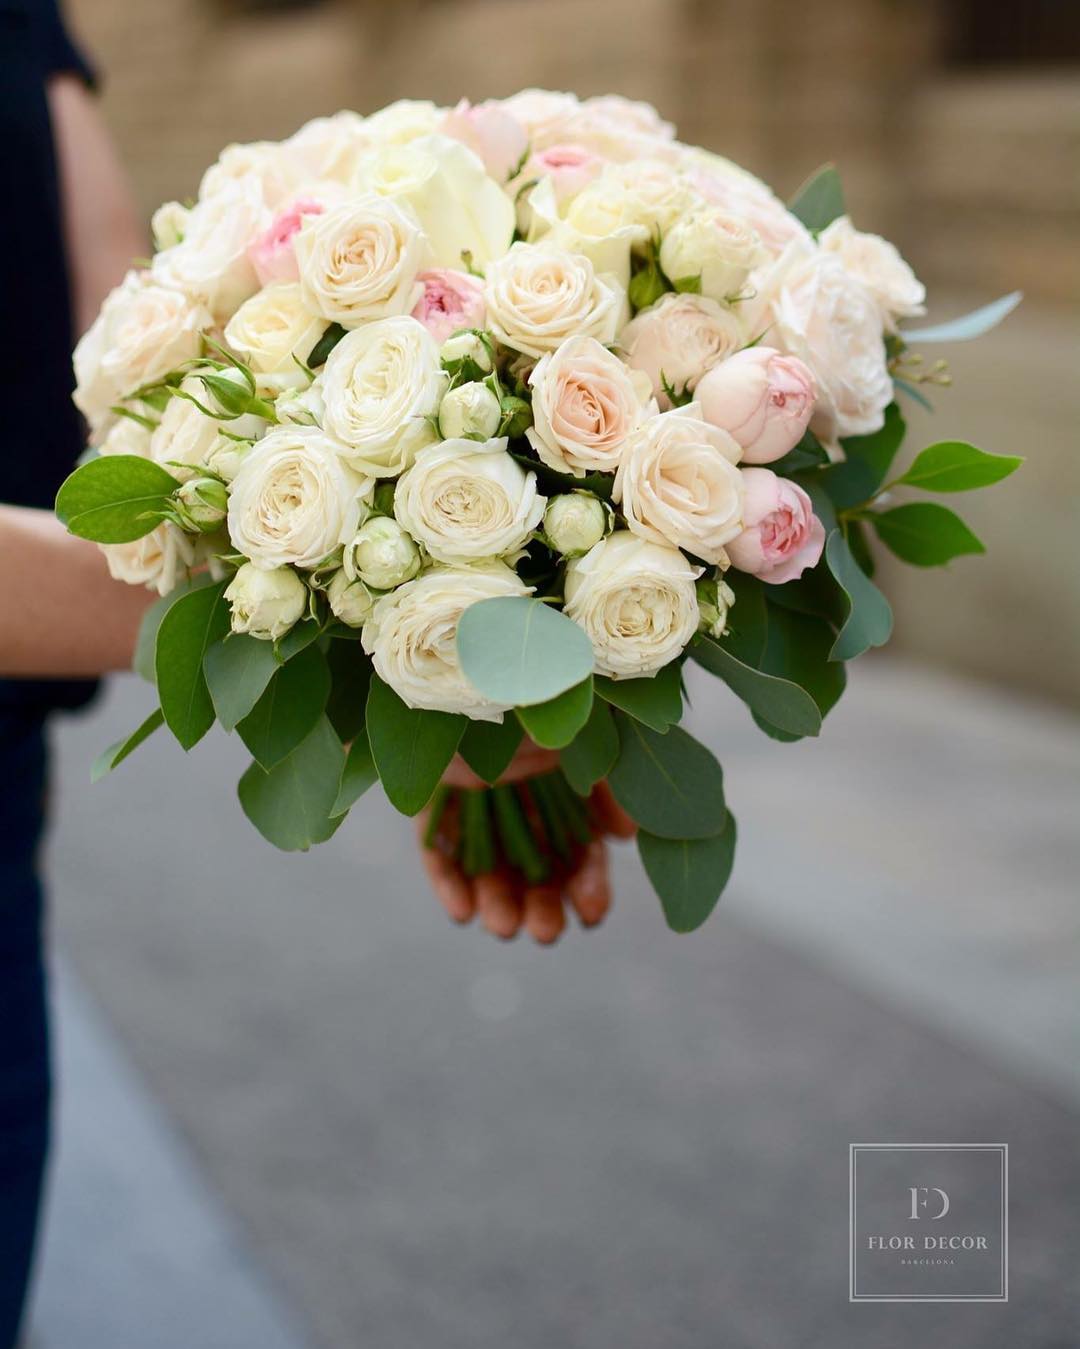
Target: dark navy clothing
point(42, 437)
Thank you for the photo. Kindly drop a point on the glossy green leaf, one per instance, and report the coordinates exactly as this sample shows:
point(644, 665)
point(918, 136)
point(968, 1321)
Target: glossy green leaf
point(668, 783)
point(657, 701)
point(325, 345)
point(488, 746)
point(869, 618)
point(689, 875)
point(350, 674)
point(799, 648)
point(520, 651)
point(299, 636)
point(237, 670)
point(925, 534)
point(290, 805)
point(555, 723)
point(971, 325)
point(553, 482)
point(955, 466)
point(188, 629)
point(146, 641)
point(820, 200)
point(778, 701)
point(411, 746)
point(115, 498)
point(747, 623)
point(869, 458)
point(108, 759)
point(588, 758)
point(358, 773)
point(288, 709)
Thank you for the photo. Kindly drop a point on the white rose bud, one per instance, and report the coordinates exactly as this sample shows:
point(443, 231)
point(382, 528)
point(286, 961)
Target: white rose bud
point(575, 522)
point(469, 412)
point(168, 224)
point(466, 346)
point(715, 598)
point(226, 456)
point(350, 601)
point(266, 604)
point(202, 503)
point(716, 250)
point(382, 554)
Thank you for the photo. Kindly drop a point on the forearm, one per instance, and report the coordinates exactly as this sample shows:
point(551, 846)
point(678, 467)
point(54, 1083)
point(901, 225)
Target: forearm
point(61, 613)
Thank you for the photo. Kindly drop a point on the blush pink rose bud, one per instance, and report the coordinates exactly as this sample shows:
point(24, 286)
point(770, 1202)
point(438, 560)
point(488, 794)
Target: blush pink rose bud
point(571, 169)
point(762, 399)
point(781, 535)
point(490, 132)
point(272, 253)
point(451, 300)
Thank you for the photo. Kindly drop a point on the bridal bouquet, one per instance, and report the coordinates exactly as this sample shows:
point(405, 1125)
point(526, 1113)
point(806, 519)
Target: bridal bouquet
point(437, 428)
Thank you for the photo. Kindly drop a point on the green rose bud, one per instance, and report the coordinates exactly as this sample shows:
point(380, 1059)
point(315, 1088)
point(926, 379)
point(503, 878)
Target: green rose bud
point(715, 598)
point(350, 601)
point(202, 503)
point(470, 412)
point(576, 522)
point(646, 287)
point(516, 416)
point(266, 604)
point(382, 555)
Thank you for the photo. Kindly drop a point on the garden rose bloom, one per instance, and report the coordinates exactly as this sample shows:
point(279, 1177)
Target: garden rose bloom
point(272, 254)
point(636, 601)
point(159, 560)
point(294, 499)
point(185, 438)
point(411, 637)
point(585, 404)
point(878, 265)
point(266, 604)
point(571, 169)
point(678, 484)
point(490, 132)
point(537, 297)
point(451, 300)
point(783, 536)
point(464, 500)
point(763, 399)
point(326, 149)
point(260, 160)
point(677, 339)
point(273, 331)
point(715, 249)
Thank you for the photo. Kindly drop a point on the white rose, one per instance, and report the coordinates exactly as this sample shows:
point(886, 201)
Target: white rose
point(458, 206)
point(168, 224)
point(678, 483)
point(273, 331)
point(351, 602)
point(379, 386)
point(585, 404)
point(466, 348)
point(127, 436)
point(211, 264)
point(359, 261)
point(159, 560)
point(598, 225)
point(826, 317)
point(575, 522)
point(656, 192)
point(469, 412)
point(186, 437)
point(326, 149)
point(402, 121)
point(537, 297)
point(266, 603)
point(143, 331)
point(878, 265)
point(412, 637)
point(294, 499)
point(636, 601)
point(732, 189)
point(261, 160)
point(304, 407)
point(463, 500)
point(544, 115)
point(677, 339)
point(381, 554)
point(717, 250)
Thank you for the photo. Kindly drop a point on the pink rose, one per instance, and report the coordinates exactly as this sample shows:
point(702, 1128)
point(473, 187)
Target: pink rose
point(781, 535)
point(763, 399)
point(571, 169)
point(451, 300)
point(271, 253)
point(490, 132)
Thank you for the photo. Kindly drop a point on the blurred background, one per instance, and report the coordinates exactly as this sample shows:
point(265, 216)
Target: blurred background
point(298, 1109)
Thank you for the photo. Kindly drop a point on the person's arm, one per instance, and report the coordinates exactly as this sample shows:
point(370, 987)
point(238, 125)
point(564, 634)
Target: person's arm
point(101, 224)
point(61, 614)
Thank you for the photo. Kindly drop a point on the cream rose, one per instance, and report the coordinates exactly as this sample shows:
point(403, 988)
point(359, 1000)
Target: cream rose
point(262, 160)
point(716, 250)
point(360, 261)
point(159, 560)
point(326, 149)
point(127, 436)
point(380, 385)
point(186, 439)
point(636, 601)
point(678, 483)
point(537, 297)
point(411, 637)
point(265, 604)
point(143, 331)
point(465, 500)
point(585, 404)
point(598, 225)
point(402, 121)
point(274, 332)
point(294, 499)
point(878, 265)
point(350, 601)
point(677, 339)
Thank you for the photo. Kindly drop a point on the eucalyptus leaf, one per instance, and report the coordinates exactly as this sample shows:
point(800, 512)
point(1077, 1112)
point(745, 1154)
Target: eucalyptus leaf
point(555, 723)
point(188, 629)
point(411, 746)
point(925, 534)
point(657, 701)
point(779, 701)
point(108, 759)
point(971, 325)
point(488, 746)
point(588, 758)
point(291, 805)
point(115, 498)
point(913, 392)
point(520, 651)
point(869, 619)
point(820, 200)
point(289, 707)
point(668, 783)
point(237, 670)
point(689, 875)
point(955, 466)
point(358, 773)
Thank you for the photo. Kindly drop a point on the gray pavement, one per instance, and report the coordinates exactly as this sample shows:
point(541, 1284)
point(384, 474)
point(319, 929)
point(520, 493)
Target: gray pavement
point(431, 1139)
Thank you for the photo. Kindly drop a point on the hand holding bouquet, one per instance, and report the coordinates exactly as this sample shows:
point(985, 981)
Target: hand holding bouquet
point(439, 428)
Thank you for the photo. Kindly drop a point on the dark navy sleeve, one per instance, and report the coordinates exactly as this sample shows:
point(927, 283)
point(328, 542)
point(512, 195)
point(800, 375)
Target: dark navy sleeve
point(60, 54)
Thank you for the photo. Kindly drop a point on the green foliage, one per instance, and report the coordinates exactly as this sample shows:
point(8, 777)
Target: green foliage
point(146, 642)
point(820, 200)
point(925, 534)
point(798, 648)
point(555, 723)
point(115, 498)
point(237, 670)
point(971, 325)
point(350, 673)
point(778, 701)
point(589, 756)
point(325, 345)
point(290, 706)
point(552, 483)
point(869, 618)
point(488, 746)
point(411, 746)
point(188, 629)
point(358, 773)
point(869, 459)
point(108, 759)
point(656, 701)
point(809, 453)
point(291, 805)
point(955, 466)
point(670, 784)
point(520, 651)
point(689, 875)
